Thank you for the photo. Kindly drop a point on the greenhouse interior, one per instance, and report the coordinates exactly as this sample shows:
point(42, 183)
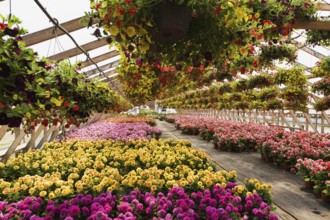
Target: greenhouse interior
point(165, 109)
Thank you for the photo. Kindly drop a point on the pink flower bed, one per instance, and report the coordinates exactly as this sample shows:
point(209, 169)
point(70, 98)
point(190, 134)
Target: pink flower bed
point(291, 150)
point(291, 146)
point(118, 131)
point(316, 171)
point(228, 135)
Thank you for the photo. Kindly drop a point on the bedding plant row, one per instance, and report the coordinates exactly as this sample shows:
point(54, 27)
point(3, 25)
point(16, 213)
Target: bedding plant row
point(307, 153)
point(125, 119)
point(115, 131)
point(137, 179)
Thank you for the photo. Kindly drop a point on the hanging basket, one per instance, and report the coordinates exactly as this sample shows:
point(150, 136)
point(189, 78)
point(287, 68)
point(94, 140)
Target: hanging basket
point(172, 21)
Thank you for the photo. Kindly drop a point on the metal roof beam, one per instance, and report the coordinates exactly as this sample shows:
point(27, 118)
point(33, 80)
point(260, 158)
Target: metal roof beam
point(100, 58)
point(49, 33)
point(76, 51)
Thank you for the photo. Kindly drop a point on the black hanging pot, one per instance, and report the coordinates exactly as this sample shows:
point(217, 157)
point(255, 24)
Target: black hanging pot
point(172, 22)
point(14, 122)
point(3, 119)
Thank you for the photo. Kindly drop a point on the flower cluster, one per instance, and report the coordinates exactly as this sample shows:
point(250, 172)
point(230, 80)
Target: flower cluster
point(64, 169)
point(241, 94)
point(282, 147)
point(322, 87)
point(117, 132)
point(218, 202)
point(288, 147)
point(228, 135)
point(34, 91)
point(316, 171)
point(120, 119)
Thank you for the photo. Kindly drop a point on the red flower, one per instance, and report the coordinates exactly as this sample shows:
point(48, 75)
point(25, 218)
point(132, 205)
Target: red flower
point(97, 6)
point(3, 26)
point(120, 10)
point(1, 105)
point(76, 107)
point(201, 68)
point(268, 22)
point(66, 104)
point(255, 63)
point(118, 23)
point(243, 70)
point(251, 49)
point(217, 10)
point(44, 122)
point(190, 68)
point(238, 42)
point(132, 11)
point(128, 1)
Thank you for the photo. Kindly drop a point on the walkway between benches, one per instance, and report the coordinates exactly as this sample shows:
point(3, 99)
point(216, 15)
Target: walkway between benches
point(292, 201)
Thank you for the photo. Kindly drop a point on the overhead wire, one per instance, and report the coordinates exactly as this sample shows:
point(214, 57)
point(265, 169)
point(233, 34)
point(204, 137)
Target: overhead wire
point(9, 8)
point(57, 25)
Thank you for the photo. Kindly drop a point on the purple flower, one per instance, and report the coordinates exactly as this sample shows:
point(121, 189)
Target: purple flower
point(75, 201)
point(125, 207)
point(26, 213)
point(50, 209)
point(85, 211)
point(64, 212)
point(139, 207)
point(86, 200)
point(35, 206)
point(273, 217)
point(74, 210)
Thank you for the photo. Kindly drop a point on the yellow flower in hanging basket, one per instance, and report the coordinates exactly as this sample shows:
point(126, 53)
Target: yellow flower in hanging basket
point(130, 31)
point(114, 30)
point(144, 48)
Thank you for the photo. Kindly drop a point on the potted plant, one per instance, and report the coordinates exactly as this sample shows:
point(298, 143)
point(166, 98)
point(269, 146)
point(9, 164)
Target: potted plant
point(217, 35)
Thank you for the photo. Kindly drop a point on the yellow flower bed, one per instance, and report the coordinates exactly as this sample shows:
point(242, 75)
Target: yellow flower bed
point(64, 169)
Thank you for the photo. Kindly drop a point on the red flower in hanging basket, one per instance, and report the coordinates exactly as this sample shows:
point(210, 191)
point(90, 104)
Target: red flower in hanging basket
point(132, 11)
point(3, 26)
point(44, 122)
point(97, 6)
point(217, 10)
point(120, 10)
point(66, 104)
point(76, 107)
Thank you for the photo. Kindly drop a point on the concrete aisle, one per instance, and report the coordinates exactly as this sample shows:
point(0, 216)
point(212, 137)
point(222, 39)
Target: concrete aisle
point(292, 201)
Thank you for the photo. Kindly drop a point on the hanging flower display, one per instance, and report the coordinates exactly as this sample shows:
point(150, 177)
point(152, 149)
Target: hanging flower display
point(196, 34)
point(34, 91)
